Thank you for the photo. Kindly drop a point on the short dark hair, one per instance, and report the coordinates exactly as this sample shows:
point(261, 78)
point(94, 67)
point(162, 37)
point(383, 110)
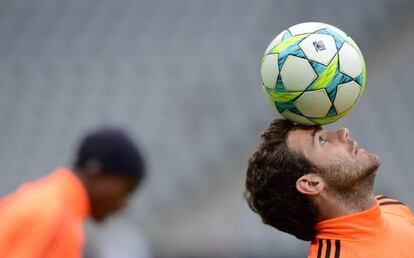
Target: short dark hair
point(114, 150)
point(271, 179)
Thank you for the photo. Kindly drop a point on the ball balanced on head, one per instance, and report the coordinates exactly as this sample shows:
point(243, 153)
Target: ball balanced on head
point(313, 73)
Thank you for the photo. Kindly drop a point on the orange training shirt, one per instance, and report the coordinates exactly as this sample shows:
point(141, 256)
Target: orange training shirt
point(44, 218)
point(384, 231)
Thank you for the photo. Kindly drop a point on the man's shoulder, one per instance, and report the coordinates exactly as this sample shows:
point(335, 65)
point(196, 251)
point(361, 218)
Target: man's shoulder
point(394, 207)
point(378, 247)
point(38, 197)
point(331, 248)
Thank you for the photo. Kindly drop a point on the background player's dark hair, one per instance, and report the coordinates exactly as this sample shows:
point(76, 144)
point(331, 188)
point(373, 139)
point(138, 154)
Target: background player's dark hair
point(114, 150)
point(271, 183)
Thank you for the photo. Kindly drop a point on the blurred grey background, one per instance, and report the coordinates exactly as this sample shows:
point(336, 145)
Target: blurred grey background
point(183, 77)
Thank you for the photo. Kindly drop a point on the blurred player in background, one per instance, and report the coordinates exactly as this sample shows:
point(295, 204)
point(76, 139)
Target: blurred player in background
point(318, 186)
point(45, 218)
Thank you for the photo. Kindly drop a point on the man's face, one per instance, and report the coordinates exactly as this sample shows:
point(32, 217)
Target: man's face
point(110, 194)
point(341, 162)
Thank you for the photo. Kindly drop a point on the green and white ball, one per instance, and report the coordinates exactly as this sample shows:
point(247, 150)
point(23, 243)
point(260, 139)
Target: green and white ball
point(313, 73)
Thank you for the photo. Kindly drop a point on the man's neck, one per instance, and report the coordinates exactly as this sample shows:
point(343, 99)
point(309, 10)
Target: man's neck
point(332, 206)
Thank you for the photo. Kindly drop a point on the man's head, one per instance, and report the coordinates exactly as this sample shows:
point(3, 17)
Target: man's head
point(111, 167)
point(295, 166)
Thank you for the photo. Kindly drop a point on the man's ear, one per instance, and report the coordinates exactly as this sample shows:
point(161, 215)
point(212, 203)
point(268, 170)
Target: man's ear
point(310, 184)
point(92, 168)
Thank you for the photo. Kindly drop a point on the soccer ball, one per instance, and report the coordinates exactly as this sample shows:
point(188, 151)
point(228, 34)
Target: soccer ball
point(313, 73)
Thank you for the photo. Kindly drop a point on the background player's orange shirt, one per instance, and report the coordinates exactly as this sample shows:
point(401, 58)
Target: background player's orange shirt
point(44, 218)
point(384, 231)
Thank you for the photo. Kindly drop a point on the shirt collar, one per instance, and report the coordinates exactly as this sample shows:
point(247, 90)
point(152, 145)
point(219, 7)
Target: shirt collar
point(358, 226)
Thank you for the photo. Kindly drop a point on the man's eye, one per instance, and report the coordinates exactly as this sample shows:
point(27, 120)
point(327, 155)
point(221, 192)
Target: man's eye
point(322, 140)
